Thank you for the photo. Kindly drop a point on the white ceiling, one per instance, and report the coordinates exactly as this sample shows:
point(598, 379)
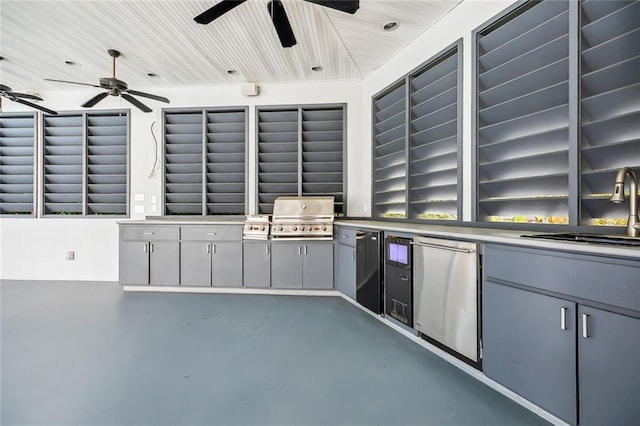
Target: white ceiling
point(160, 36)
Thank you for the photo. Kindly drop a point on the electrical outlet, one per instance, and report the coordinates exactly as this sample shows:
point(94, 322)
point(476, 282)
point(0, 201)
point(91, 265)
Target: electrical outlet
point(71, 255)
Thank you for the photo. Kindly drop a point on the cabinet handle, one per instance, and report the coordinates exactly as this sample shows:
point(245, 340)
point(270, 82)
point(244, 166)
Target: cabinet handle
point(353, 255)
point(214, 248)
point(211, 233)
point(151, 247)
point(208, 248)
point(299, 250)
point(149, 233)
point(266, 249)
point(305, 250)
point(345, 236)
point(145, 249)
point(563, 318)
point(585, 326)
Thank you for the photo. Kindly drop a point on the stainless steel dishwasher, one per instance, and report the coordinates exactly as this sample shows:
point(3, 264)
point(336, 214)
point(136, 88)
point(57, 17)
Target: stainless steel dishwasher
point(446, 293)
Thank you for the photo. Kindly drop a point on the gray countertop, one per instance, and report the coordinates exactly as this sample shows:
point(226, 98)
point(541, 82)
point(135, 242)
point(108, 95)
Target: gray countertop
point(490, 235)
point(484, 235)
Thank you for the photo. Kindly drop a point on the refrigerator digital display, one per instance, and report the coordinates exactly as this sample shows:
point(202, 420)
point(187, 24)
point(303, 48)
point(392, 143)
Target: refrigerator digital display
point(399, 253)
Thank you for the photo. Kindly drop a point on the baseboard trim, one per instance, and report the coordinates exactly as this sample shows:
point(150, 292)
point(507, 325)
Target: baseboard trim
point(229, 290)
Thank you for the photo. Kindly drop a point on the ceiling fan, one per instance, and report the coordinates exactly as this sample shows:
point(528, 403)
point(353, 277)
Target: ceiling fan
point(6, 92)
point(277, 13)
point(115, 87)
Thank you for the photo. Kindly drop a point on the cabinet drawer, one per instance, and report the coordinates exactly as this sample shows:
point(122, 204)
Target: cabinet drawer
point(149, 233)
point(346, 236)
point(601, 279)
point(210, 233)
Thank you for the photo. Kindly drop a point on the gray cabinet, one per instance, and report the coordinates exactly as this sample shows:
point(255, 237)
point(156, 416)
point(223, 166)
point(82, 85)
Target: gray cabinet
point(345, 261)
point(257, 264)
point(149, 255)
point(211, 256)
point(608, 372)
point(529, 346)
point(563, 330)
point(307, 264)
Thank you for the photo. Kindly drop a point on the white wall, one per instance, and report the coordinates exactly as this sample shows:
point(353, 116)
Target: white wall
point(35, 248)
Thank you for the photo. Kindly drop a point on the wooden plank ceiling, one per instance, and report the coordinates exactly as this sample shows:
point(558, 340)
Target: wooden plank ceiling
point(160, 36)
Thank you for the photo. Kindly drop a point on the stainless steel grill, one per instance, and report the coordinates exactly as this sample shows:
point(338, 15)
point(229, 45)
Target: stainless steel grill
point(256, 227)
point(303, 218)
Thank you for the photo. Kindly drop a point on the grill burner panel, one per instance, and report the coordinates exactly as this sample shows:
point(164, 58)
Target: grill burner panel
point(303, 217)
point(256, 228)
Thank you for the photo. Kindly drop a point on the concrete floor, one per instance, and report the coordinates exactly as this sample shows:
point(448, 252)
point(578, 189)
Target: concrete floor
point(87, 353)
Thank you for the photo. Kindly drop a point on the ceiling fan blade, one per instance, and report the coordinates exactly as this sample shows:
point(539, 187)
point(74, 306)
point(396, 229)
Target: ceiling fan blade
point(148, 95)
point(4, 88)
point(217, 11)
point(136, 102)
point(32, 105)
point(348, 6)
point(281, 23)
point(25, 96)
point(71, 82)
point(97, 98)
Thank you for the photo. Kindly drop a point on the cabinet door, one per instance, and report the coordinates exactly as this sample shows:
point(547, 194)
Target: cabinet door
point(134, 262)
point(317, 271)
point(529, 347)
point(226, 268)
point(257, 265)
point(195, 263)
point(346, 270)
point(286, 265)
point(609, 374)
point(164, 259)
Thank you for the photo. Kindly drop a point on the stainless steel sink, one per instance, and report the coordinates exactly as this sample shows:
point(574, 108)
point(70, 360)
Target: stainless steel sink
point(617, 240)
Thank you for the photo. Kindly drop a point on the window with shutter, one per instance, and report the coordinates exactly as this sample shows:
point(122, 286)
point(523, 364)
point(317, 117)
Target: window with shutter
point(225, 148)
point(522, 106)
point(63, 163)
point(435, 138)
point(17, 164)
point(183, 162)
point(390, 153)
point(300, 152)
point(204, 161)
point(85, 163)
point(610, 105)
point(107, 163)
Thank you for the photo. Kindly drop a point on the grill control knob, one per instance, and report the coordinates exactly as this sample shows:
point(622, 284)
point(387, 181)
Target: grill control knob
point(295, 228)
point(262, 228)
point(324, 228)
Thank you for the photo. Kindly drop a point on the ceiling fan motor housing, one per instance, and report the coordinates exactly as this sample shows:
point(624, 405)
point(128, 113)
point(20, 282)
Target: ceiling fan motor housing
point(111, 83)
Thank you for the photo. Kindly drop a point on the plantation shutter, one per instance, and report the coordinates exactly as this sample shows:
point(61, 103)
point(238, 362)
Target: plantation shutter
point(183, 134)
point(225, 161)
point(107, 165)
point(390, 153)
point(322, 153)
point(434, 127)
point(63, 164)
point(523, 115)
point(17, 164)
point(610, 89)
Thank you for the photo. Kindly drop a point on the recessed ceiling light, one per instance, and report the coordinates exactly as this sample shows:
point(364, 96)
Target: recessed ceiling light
point(390, 26)
point(317, 68)
point(231, 71)
point(153, 75)
point(71, 63)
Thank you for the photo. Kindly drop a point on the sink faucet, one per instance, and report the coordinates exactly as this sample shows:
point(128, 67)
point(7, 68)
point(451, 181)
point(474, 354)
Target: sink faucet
point(633, 223)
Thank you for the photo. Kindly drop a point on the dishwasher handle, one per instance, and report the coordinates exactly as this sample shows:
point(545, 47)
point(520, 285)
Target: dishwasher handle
point(442, 247)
